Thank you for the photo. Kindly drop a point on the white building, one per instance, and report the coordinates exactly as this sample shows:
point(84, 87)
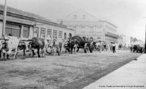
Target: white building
point(124, 40)
point(89, 26)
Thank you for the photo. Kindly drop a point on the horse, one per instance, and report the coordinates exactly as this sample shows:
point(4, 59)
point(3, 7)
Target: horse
point(84, 43)
point(70, 45)
point(137, 48)
point(37, 43)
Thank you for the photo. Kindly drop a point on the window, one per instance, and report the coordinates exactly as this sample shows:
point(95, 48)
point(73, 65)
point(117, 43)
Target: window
point(49, 32)
point(60, 34)
point(42, 35)
point(13, 29)
point(36, 32)
point(26, 31)
point(54, 34)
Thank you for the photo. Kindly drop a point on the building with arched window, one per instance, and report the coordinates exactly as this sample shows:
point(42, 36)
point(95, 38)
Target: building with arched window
point(88, 25)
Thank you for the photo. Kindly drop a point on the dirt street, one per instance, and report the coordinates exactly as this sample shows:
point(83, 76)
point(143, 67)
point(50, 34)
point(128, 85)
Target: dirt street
point(69, 71)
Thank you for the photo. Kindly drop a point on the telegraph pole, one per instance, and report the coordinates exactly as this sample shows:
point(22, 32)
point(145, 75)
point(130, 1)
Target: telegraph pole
point(4, 19)
point(145, 41)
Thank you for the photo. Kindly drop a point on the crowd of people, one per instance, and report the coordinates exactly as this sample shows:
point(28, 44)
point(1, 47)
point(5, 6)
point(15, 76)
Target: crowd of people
point(102, 46)
point(72, 44)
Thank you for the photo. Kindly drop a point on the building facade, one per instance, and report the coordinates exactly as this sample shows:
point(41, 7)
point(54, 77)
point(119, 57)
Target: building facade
point(109, 32)
point(26, 25)
point(89, 26)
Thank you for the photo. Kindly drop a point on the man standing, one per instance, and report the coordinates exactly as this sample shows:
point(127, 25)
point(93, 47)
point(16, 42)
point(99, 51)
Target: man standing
point(114, 47)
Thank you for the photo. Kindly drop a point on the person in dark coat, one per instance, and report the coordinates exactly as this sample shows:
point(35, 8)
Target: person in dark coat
point(114, 47)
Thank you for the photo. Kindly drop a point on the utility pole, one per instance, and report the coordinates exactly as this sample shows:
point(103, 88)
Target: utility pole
point(145, 41)
point(4, 19)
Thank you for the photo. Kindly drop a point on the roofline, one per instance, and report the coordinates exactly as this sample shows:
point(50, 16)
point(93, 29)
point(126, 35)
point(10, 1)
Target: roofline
point(80, 11)
point(33, 17)
point(108, 22)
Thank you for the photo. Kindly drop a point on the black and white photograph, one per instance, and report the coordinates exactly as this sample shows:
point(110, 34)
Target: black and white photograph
point(72, 44)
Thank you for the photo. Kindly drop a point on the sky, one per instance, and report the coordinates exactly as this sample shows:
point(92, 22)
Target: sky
point(128, 15)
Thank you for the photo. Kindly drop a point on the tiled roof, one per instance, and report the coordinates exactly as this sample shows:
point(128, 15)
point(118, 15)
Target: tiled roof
point(20, 12)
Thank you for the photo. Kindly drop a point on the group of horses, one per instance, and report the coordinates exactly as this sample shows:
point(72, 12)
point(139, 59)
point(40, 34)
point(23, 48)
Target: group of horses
point(12, 46)
point(76, 42)
point(137, 48)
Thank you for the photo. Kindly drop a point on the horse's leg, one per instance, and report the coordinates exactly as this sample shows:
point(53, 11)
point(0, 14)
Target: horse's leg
point(24, 50)
point(16, 52)
point(85, 51)
point(74, 49)
point(44, 51)
point(78, 49)
point(65, 50)
point(7, 56)
point(91, 49)
point(8, 53)
point(60, 49)
point(53, 50)
point(32, 50)
point(71, 49)
point(38, 52)
point(4, 54)
point(1, 54)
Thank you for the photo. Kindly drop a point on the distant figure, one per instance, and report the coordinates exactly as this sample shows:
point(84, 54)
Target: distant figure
point(114, 47)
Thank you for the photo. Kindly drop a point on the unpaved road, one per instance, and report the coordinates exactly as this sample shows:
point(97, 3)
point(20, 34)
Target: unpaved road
point(60, 72)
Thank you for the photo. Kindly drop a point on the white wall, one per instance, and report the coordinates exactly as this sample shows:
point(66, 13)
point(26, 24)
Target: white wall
point(31, 32)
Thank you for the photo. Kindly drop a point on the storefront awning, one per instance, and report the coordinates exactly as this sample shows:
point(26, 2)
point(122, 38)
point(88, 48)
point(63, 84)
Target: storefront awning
point(17, 20)
point(112, 35)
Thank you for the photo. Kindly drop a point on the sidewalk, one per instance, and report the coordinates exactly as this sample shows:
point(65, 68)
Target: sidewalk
point(129, 76)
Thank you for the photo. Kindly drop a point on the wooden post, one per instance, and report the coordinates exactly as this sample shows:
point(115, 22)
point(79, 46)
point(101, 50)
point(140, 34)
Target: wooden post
point(145, 40)
point(4, 19)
